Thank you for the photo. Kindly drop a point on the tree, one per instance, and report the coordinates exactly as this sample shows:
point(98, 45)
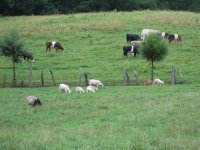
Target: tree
point(11, 46)
point(154, 48)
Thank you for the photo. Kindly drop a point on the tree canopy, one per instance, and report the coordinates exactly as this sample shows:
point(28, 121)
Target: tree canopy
point(11, 47)
point(154, 48)
point(43, 7)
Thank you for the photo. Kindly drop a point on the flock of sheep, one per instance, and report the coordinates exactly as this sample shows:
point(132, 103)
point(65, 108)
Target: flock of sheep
point(92, 88)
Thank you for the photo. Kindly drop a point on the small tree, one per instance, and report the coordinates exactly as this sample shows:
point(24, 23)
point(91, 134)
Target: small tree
point(154, 48)
point(11, 46)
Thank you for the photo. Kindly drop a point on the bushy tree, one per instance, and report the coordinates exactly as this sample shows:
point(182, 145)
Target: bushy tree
point(154, 48)
point(11, 46)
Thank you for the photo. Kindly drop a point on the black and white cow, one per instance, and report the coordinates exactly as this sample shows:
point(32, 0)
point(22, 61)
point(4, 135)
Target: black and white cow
point(174, 37)
point(130, 49)
point(54, 44)
point(132, 37)
point(165, 35)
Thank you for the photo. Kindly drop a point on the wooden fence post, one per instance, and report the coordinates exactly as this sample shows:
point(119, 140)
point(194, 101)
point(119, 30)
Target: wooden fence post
point(179, 71)
point(86, 79)
point(137, 80)
point(30, 75)
point(126, 77)
point(4, 81)
point(80, 77)
point(42, 78)
point(52, 76)
point(173, 75)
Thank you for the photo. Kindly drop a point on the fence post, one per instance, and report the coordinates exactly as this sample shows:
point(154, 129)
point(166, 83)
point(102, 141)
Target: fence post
point(126, 77)
point(173, 75)
point(52, 76)
point(30, 75)
point(86, 79)
point(137, 80)
point(42, 78)
point(4, 81)
point(179, 71)
point(80, 77)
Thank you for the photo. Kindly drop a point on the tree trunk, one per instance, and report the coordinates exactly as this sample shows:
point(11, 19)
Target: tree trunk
point(152, 70)
point(14, 75)
point(30, 75)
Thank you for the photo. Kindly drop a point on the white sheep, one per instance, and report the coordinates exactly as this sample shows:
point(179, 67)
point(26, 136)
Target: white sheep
point(64, 87)
point(80, 89)
point(95, 83)
point(158, 82)
point(147, 32)
point(91, 89)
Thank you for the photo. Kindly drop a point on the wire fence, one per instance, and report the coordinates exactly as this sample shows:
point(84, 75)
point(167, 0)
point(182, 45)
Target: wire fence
point(128, 78)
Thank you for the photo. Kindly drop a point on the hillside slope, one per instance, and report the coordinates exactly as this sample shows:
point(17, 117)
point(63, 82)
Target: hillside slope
point(93, 42)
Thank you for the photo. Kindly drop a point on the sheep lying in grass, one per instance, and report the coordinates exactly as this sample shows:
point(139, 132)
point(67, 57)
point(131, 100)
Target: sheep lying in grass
point(33, 101)
point(95, 83)
point(91, 89)
point(148, 82)
point(80, 89)
point(64, 87)
point(158, 82)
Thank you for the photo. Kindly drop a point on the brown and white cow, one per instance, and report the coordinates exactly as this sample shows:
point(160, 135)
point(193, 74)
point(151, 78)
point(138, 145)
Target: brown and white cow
point(54, 44)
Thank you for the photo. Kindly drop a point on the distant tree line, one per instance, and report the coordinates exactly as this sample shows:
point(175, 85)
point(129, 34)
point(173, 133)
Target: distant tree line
point(44, 7)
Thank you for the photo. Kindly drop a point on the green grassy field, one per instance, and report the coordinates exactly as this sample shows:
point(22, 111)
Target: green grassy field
point(120, 117)
point(93, 42)
point(115, 117)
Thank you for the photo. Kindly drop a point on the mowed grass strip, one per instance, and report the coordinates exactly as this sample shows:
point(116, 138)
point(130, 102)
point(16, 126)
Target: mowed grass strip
point(120, 117)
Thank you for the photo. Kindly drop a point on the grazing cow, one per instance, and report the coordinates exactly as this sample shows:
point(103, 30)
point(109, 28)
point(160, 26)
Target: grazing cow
point(65, 88)
point(91, 89)
point(132, 37)
point(158, 82)
point(136, 43)
point(130, 49)
point(165, 35)
point(54, 44)
point(33, 101)
point(95, 83)
point(148, 82)
point(174, 37)
point(147, 32)
point(80, 89)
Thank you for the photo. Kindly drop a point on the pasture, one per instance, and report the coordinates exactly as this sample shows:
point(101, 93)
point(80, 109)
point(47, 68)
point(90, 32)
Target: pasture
point(120, 117)
point(94, 41)
point(115, 117)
